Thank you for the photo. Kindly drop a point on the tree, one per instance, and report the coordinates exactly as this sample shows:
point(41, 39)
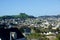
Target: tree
point(23, 16)
point(32, 17)
point(50, 27)
point(58, 36)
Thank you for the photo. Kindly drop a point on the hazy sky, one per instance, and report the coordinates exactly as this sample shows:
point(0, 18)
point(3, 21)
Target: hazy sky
point(30, 7)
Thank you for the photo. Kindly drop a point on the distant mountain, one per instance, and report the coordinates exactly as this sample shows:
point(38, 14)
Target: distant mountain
point(21, 16)
point(48, 16)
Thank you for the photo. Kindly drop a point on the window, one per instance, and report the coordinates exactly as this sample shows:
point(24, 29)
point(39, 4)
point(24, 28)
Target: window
point(13, 35)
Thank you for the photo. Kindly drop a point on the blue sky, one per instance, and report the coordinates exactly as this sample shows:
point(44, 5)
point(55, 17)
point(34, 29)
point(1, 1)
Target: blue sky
point(30, 7)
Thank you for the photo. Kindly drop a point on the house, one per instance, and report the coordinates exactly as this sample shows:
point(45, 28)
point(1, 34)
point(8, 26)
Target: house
point(26, 30)
point(47, 33)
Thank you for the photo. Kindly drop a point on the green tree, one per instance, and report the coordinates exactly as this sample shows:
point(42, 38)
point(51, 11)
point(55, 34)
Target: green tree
point(58, 36)
point(23, 16)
